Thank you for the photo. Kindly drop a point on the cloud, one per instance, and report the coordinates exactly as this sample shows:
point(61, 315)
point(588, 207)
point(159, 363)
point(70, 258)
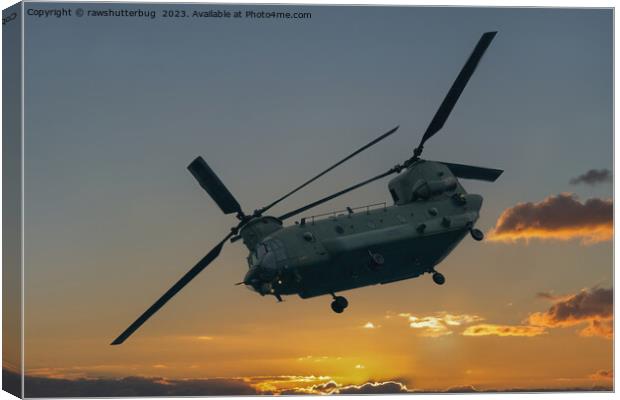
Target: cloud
point(439, 324)
point(277, 384)
point(135, 387)
point(388, 387)
point(370, 325)
point(332, 387)
point(138, 386)
point(322, 388)
point(603, 329)
point(593, 307)
point(592, 177)
point(590, 307)
point(504, 330)
point(298, 385)
point(561, 217)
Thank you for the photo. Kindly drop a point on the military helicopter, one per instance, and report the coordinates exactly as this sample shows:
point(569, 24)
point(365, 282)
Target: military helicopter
point(375, 244)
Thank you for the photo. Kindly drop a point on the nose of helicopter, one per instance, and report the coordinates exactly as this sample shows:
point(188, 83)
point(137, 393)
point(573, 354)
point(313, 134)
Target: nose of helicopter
point(251, 277)
point(260, 279)
point(255, 280)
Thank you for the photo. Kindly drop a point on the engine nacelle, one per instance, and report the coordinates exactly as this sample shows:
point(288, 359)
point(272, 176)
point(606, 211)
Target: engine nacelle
point(424, 189)
point(423, 180)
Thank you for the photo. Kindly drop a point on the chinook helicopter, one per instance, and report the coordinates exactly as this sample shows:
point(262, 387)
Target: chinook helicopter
point(375, 244)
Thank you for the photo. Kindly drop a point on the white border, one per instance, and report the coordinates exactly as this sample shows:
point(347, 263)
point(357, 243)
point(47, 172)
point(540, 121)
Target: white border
point(462, 3)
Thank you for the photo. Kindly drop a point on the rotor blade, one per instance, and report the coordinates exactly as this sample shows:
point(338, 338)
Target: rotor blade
point(191, 274)
point(356, 152)
point(214, 186)
point(459, 84)
point(333, 196)
point(472, 172)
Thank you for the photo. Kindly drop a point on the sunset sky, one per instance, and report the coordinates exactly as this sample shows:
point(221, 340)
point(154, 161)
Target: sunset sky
point(116, 109)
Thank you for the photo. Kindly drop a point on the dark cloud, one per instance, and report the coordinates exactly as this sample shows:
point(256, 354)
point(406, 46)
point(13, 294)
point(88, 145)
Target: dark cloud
point(142, 386)
point(134, 387)
point(592, 177)
point(560, 217)
point(332, 387)
point(327, 386)
point(588, 303)
point(592, 306)
point(389, 387)
point(321, 388)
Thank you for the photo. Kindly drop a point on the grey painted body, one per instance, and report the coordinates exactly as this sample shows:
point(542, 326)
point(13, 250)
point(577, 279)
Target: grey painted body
point(430, 216)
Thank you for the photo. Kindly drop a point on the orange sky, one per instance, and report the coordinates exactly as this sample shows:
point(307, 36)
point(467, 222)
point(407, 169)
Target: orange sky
point(427, 345)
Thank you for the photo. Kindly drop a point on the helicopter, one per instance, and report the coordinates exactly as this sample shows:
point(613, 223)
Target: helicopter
point(374, 244)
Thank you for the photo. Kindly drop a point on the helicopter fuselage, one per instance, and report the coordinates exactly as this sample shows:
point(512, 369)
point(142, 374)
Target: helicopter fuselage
point(367, 247)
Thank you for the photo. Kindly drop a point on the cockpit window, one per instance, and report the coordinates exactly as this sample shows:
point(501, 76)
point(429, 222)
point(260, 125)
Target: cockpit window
point(274, 246)
point(258, 253)
point(277, 247)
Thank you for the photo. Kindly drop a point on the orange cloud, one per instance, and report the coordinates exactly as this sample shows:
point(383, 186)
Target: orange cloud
point(603, 329)
point(440, 323)
point(280, 383)
point(593, 307)
point(561, 217)
point(504, 330)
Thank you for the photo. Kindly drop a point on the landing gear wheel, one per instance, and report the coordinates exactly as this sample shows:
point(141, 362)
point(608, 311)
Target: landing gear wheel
point(438, 278)
point(477, 234)
point(339, 304)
